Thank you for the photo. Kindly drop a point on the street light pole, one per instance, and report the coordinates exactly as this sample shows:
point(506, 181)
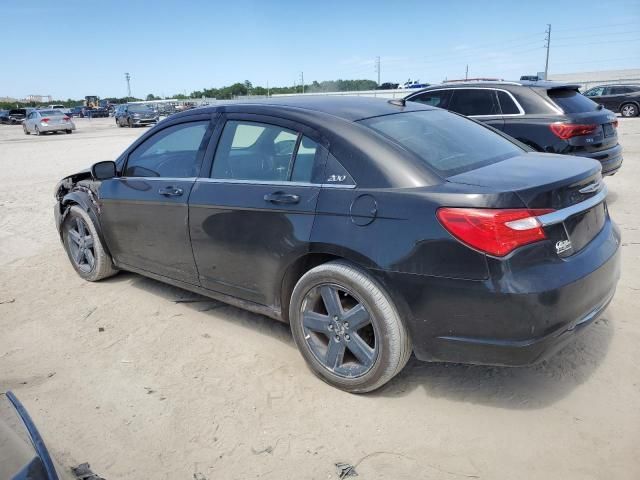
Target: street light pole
point(548, 39)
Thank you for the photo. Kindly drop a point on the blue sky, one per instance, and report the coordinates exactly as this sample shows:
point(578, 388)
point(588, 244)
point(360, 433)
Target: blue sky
point(73, 48)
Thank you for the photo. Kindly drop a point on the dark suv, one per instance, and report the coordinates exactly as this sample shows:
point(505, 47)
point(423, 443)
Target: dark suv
point(547, 116)
point(624, 99)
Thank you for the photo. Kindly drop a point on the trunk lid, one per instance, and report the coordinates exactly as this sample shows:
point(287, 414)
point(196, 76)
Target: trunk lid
point(549, 181)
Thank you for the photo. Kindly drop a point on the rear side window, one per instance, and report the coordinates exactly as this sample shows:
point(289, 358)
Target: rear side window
point(447, 143)
point(474, 102)
point(570, 101)
point(438, 98)
point(507, 105)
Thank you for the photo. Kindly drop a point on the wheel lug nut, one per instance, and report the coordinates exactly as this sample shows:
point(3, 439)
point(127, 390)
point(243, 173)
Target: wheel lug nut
point(347, 338)
point(346, 324)
point(335, 317)
point(337, 338)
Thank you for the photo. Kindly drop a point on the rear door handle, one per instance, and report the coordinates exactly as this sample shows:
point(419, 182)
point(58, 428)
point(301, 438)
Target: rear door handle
point(280, 198)
point(171, 191)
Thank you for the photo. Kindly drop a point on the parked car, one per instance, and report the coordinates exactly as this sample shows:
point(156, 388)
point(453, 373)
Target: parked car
point(374, 228)
point(44, 121)
point(24, 454)
point(76, 111)
point(623, 99)
point(549, 117)
point(15, 116)
point(135, 115)
point(4, 116)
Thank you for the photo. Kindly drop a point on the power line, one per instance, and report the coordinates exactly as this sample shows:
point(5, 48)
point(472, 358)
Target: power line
point(596, 35)
point(597, 43)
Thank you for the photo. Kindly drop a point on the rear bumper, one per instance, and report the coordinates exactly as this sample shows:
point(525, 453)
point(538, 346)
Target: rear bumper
point(57, 127)
point(611, 158)
point(521, 315)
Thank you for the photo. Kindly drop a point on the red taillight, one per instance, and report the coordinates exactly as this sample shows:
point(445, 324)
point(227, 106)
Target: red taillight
point(66, 119)
point(45, 120)
point(496, 232)
point(615, 124)
point(566, 131)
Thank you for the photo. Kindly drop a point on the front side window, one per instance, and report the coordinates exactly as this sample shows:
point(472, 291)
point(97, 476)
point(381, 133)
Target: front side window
point(263, 152)
point(448, 144)
point(474, 102)
point(172, 152)
point(438, 98)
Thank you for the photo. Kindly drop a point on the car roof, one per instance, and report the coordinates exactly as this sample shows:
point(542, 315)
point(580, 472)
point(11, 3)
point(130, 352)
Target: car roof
point(348, 108)
point(541, 84)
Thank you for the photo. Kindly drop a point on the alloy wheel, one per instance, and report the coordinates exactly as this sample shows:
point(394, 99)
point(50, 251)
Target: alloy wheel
point(339, 331)
point(81, 245)
point(629, 111)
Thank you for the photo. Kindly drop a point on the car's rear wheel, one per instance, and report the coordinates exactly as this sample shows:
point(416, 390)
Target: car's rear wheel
point(69, 131)
point(84, 248)
point(130, 123)
point(26, 131)
point(37, 130)
point(347, 328)
point(629, 110)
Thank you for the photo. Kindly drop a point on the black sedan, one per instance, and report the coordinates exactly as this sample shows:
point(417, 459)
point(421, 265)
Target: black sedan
point(374, 228)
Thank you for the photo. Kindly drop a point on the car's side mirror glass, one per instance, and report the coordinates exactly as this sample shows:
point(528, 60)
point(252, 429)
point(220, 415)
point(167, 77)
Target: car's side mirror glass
point(103, 170)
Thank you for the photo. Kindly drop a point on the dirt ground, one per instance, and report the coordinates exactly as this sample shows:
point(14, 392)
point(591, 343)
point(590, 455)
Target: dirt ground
point(147, 381)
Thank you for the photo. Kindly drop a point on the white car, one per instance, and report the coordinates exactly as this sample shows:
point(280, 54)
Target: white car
point(42, 121)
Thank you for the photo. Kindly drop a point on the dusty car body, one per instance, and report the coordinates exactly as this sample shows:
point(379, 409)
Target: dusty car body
point(374, 228)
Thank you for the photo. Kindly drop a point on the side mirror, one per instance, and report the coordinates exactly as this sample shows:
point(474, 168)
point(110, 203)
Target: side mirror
point(103, 170)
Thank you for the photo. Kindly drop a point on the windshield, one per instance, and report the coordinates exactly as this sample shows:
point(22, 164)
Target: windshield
point(447, 143)
point(140, 108)
point(570, 101)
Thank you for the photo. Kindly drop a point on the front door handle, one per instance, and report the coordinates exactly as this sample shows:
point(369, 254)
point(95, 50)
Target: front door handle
point(280, 198)
point(171, 191)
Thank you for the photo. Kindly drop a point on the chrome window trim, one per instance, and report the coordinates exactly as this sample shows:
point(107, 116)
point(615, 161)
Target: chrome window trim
point(279, 183)
point(520, 109)
point(168, 179)
point(560, 216)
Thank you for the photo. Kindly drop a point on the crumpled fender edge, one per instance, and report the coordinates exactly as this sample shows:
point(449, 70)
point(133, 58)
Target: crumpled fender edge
point(84, 199)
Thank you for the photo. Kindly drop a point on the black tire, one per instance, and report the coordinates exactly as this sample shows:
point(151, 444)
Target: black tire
point(101, 266)
point(385, 334)
point(69, 132)
point(26, 132)
point(629, 110)
point(37, 130)
point(131, 125)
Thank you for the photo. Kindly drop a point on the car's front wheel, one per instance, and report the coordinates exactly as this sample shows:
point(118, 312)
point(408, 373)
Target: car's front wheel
point(26, 131)
point(347, 328)
point(629, 110)
point(84, 248)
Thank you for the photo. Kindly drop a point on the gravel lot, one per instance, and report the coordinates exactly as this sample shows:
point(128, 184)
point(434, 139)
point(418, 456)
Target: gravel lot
point(199, 390)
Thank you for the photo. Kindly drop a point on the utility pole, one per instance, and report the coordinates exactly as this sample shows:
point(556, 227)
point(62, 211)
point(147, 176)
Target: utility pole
point(466, 73)
point(302, 80)
point(548, 40)
point(128, 78)
point(378, 69)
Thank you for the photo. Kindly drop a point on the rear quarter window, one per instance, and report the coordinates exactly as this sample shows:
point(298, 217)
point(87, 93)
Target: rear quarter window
point(570, 101)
